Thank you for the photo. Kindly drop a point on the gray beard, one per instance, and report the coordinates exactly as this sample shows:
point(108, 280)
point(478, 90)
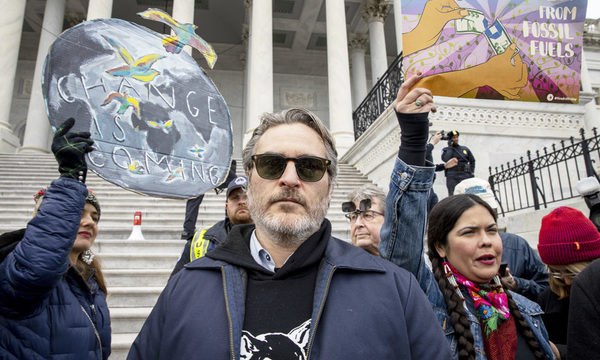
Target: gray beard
point(289, 236)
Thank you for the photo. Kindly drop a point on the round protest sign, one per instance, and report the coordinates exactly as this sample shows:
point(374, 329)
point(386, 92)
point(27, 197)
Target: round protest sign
point(159, 124)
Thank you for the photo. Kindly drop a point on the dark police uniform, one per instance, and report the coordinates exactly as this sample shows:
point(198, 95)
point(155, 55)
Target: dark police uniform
point(463, 170)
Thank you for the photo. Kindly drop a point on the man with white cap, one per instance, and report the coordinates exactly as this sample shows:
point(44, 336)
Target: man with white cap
point(525, 273)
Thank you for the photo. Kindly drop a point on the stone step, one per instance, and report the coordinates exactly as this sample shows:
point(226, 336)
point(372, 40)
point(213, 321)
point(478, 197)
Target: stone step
point(136, 277)
point(35, 178)
point(25, 187)
point(106, 247)
point(128, 297)
point(139, 261)
point(162, 232)
point(24, 198)
point(128, 320)
point(154, 218)
point(120, 344)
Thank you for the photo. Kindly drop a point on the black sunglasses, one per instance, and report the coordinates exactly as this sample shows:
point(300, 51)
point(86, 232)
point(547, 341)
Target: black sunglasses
point(364, 210)
point(308, 168)
point(364, 205)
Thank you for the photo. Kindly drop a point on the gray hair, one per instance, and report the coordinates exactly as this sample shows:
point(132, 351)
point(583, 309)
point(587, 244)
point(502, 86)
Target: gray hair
point(368, 191)
point(292, 116)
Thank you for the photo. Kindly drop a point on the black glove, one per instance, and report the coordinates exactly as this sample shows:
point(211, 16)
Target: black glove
point(69, 150)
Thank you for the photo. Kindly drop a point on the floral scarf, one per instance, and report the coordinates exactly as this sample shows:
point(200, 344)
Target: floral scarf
point(491, 303)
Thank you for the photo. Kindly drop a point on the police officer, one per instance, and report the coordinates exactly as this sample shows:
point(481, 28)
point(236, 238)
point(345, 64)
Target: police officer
point(433, 198)
point(466, 162)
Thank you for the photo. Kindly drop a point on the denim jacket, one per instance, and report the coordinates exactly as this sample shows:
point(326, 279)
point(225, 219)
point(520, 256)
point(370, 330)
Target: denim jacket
point(402, 237)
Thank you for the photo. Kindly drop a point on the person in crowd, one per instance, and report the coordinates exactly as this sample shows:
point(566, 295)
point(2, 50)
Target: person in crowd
point(435, 139)
point(479, 317)
point(464, 169)
point(525, 272)
point(204, 240)
point(583, 330)
point(365, 211)
point(568, 242)
point(284, 288)
point(192, 206)
point(52, 292)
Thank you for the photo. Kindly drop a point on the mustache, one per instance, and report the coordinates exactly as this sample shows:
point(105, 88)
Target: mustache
point(288, 194)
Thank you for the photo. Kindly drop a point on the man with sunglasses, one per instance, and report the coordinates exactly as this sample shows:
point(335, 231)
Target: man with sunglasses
point(365, 211)
point(284, 288)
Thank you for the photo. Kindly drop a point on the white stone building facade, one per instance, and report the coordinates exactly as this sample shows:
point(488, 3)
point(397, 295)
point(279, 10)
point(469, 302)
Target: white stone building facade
point(323, 55)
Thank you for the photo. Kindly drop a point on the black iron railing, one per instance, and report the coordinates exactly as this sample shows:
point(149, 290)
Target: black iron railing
point(547, 177)
point(379, 98)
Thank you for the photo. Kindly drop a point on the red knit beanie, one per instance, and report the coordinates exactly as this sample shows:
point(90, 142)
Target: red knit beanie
point(567, 236)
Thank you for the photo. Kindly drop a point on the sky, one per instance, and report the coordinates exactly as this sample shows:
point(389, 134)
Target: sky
point(593, 9)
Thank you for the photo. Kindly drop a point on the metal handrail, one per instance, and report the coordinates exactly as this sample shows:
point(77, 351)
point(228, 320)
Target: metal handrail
point(547, 177)
point(379, 98)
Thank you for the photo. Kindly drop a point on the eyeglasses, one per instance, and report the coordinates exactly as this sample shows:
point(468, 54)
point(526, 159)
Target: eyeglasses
point(561, 276)
point(367, 215)
point(364, 210)
point(308, 168)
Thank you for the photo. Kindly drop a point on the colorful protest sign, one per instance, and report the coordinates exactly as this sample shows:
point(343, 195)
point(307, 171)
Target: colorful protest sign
point(526, 50)
point(159, 124)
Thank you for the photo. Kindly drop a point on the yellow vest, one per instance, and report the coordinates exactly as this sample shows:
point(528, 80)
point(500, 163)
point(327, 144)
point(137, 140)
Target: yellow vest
point(199, 244)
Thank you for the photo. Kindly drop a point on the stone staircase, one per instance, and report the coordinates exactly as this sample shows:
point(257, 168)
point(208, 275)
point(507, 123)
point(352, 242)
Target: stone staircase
point(135, 271)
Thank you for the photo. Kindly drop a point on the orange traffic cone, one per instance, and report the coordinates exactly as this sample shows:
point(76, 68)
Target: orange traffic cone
point(136, 232)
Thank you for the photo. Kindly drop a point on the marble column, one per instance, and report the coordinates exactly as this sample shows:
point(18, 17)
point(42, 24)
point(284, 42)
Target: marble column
point(99, 9)
point(260, 64)
point(12, 25)
point(338, 77)
point(398, 24)
point(246, 45)
point(587, 97)
point(239, 128)
point(374, 13)
point(183, 12)
point(358, 48)
point(37, 129)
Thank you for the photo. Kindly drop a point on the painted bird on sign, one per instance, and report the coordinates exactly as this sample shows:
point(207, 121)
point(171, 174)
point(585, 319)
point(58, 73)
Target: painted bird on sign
point(184, 35)
point(125, 102)
point(140, 69)
point(162, 125)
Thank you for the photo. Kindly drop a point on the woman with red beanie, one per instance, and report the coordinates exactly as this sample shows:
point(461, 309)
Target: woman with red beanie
point(568, 242)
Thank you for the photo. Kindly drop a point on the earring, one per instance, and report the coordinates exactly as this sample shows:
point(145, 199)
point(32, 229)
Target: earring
point(87, 256)
point(497, 283)
point(452, 280)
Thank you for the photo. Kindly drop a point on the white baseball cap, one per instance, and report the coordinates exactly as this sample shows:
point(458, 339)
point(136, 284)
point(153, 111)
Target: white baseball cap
point(479, 187)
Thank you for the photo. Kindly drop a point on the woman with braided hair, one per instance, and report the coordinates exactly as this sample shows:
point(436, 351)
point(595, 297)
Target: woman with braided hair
point(465, 251)
point(480, 319)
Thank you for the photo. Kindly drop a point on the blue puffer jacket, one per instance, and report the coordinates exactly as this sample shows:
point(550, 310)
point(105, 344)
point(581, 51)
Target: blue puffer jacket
point(47, 311)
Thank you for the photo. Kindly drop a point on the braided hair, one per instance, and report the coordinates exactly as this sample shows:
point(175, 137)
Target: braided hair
point(456, 311)
point(442, 219)
point(524, 328)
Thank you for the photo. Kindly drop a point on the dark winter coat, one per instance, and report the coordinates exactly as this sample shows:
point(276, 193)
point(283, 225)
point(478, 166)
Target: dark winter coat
point(583, 334)
point(525, 266)
point(363, 308)
point(556, 318)
point(47, 311)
